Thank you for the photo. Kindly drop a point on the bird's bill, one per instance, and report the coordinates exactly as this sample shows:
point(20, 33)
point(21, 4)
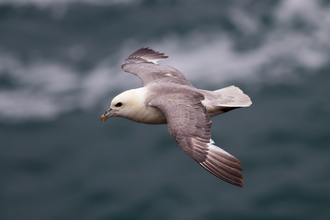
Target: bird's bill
point(108, 114)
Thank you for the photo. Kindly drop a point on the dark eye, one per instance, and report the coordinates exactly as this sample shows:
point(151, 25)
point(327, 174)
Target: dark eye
point(119, 104)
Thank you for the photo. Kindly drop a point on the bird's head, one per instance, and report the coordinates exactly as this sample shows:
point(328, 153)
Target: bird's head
point(125, 105)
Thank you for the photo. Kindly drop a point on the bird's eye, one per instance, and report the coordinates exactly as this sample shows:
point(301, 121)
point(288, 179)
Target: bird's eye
point(119, 104)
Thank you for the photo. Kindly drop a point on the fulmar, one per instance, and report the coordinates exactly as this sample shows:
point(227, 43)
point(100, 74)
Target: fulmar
point(168, 98)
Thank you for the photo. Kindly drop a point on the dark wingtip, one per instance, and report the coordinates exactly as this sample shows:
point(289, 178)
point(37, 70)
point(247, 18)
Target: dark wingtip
point(147, 53)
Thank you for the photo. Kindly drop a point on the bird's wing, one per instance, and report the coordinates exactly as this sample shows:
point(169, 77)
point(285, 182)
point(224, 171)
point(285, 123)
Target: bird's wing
point(142, 63)
point(190, 126)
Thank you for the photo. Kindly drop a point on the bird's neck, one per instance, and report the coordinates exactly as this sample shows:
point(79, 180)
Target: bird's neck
point(142, 112)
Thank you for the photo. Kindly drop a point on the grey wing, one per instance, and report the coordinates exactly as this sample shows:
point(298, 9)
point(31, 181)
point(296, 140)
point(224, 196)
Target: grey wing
point(190, 126)
point(142, 63)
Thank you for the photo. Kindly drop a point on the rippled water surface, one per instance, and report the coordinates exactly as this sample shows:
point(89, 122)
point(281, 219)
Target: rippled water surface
point(60, 68)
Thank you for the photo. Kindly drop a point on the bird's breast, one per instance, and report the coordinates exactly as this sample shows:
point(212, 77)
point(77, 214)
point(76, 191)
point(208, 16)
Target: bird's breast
point(152, 115)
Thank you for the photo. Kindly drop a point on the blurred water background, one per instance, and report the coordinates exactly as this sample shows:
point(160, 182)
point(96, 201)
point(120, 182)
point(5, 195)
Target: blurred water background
point(60, 68)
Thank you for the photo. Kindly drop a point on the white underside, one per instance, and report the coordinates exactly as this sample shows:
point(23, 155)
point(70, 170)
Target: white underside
point(213, 147)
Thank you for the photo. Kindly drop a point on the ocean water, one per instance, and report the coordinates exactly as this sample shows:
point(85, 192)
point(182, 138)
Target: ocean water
point(60, 68)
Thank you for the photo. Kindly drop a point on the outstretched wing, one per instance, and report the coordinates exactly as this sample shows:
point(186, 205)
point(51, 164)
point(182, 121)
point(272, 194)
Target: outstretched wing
point(190, 126)
point(142, 63)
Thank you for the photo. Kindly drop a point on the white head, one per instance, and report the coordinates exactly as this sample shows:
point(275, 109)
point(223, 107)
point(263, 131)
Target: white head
point(126, 105)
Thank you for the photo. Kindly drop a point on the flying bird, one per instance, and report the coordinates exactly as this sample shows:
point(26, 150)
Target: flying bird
point(168, 98)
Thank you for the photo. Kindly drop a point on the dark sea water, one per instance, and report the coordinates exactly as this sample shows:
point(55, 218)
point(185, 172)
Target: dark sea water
point(60, 68)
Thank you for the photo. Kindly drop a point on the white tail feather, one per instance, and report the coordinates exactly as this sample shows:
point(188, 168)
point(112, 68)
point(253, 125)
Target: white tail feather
point(235, 95)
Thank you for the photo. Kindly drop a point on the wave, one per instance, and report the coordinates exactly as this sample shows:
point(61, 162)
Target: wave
point(283, 48)
point(46, 3)
point(43, 89)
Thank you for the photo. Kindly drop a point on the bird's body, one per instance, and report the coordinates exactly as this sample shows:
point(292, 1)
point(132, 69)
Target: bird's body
point(168, 98)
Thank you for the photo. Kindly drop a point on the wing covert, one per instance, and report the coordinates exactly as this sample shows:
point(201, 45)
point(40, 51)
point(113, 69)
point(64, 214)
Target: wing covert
point(142, 63)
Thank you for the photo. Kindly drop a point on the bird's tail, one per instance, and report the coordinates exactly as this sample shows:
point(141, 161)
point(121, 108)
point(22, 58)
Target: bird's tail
point(232, 96)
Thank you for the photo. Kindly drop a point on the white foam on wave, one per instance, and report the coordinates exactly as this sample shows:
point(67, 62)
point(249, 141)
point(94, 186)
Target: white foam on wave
point(44, 89)
point(211, 57)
